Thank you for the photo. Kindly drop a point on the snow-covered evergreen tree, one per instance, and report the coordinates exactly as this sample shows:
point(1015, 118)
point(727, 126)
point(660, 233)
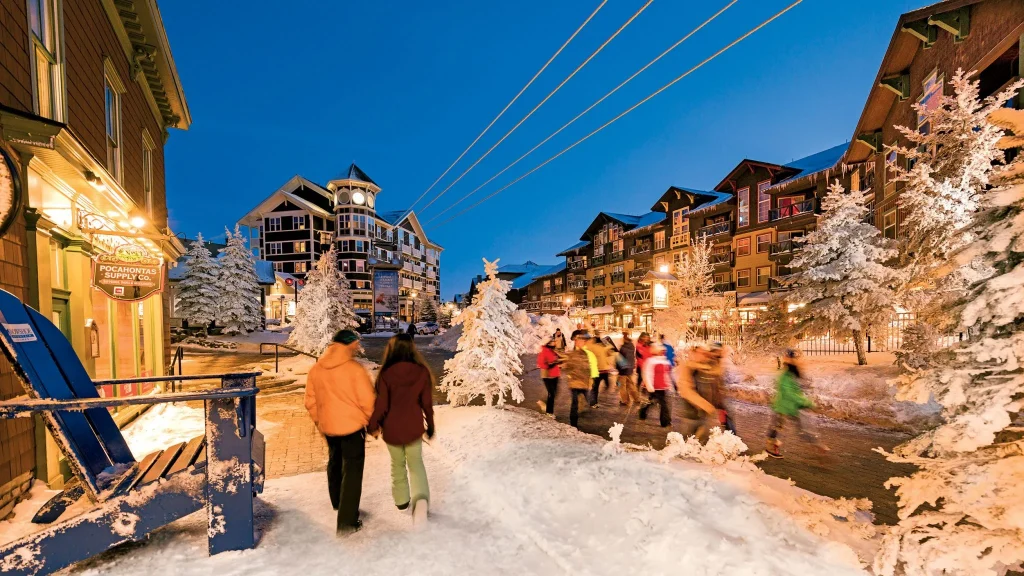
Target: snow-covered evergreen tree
point(487, 361)
point(426, 307)
point(841, 281)
point(325, 306)
point(199, 291)
point(769, 333)
point(961, 512)
point(239, 309)
point(690, 297)
point(445, 314)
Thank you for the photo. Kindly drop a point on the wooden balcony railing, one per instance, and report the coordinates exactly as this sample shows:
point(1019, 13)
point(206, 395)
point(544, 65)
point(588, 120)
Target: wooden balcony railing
point(721, 258)
point(724, 286)
point(576, 265)
point(715, 229)
point(638, 274)
point(617, 256)
point(578, 285)
point(783, 212)
point(632, 297)
point(597, 260)
point(640, 249)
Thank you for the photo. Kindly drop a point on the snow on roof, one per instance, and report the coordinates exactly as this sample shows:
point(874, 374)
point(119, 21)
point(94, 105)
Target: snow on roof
point(525, 267)
point(391, 216)
point(814, 165)
point(648, 221)
point(573, 248)
point(552, 271)
point(624, 218)
point(535, 272)
point(717, 198)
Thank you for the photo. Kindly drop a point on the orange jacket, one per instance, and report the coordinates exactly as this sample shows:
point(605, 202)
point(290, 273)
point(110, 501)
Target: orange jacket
point(339, 394)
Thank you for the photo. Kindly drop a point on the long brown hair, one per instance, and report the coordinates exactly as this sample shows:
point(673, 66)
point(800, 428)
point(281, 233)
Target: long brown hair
point(402, 348)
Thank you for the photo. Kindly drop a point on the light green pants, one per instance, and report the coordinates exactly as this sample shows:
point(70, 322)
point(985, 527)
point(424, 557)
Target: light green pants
point(409, 456)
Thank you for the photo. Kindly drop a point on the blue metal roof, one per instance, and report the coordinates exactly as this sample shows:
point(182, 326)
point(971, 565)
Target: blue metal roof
point(624, 218)
point(391, 216)
point(817, 162)
point(573, 248)
point(524, 268)
point(535, 274)
point(716, 199)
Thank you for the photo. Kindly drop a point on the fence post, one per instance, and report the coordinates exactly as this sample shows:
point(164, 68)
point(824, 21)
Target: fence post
point(869, 343)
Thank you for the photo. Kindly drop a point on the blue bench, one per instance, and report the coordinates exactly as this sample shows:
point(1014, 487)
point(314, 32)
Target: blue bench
point(221, 470)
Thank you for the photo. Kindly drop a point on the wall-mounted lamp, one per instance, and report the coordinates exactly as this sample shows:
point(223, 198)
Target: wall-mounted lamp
point(94, 180)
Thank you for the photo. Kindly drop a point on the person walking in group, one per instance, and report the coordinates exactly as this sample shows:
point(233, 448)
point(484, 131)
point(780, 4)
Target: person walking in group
point(549, 361)
point(580, 369)
point(657, 379)
point(643, 345)
point(697, 410)
point(559, 340)
point(625, 363)
point(670, 351)
point(602, 354)
point(340, 400)
point(789, 403)
point(404, 401)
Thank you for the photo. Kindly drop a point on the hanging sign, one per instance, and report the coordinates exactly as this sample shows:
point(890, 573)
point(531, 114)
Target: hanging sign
point(385, 292)
point(10, 191)
point(128, 274)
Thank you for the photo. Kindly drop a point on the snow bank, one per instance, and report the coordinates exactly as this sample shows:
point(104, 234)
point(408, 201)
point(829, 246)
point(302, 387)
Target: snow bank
point(842, 390)
point(516, 493)
point(448, 340)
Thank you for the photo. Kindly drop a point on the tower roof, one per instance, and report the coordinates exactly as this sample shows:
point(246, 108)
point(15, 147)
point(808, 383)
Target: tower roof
point(355, 173)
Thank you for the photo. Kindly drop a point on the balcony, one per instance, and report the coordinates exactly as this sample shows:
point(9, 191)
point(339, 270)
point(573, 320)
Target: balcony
point(576, 265)
point(715, 229)
point(532, 306)
point(597, 260)
point(638, 297)
point(783, 212)
point(680, 241)
point(640, 249)
point(724, 286)
point(617, 256)
point(776, 285)
point(721, 259)
point(784, 250)
point(598, 281)
point(638, 274)
point(578, 285)
point(618, 277)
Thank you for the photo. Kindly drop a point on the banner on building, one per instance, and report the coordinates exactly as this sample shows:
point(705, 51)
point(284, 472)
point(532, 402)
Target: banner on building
point(385, 292)
point(130, 273)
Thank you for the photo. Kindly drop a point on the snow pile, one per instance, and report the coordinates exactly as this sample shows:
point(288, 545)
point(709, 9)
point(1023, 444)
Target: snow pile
point(538, 329)
point(448, 340)
point(516, 493)
point(614, 446)
point(720, 449)
point(163, 425)
point(842, 390)
point(200, 343)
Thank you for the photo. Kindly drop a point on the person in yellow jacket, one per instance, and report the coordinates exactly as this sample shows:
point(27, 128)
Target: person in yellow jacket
point(604, 355)
point(580, 370)
point(340, 399)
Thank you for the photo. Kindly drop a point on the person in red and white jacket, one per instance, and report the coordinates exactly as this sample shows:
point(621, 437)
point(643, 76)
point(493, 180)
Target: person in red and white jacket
point(657, 374)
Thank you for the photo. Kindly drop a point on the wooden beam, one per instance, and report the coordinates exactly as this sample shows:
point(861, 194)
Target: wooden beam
point(872, 139)
point(923, 31)
point(899, 84)
point(956, 22)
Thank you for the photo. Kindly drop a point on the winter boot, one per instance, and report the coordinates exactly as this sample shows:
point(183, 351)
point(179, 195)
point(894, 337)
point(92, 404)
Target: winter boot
point(542, 406)
point(419, 514)
point(772, 448)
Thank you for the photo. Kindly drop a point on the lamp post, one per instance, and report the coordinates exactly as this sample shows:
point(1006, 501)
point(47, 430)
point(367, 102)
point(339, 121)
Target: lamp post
point(412, 317)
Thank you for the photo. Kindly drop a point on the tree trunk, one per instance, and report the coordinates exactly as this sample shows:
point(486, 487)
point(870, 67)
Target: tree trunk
point(858, 343)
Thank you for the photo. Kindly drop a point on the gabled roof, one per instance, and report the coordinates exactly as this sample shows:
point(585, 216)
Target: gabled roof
point(391, 216)
point(628, 222)
point(678, 193)
point(647, 222)
point(728, 183)
point(899, 55)
point(355, 173)
point(813, 166)
point(525, 267)
point(535, 273)
point(285, 193)
point(575, 247)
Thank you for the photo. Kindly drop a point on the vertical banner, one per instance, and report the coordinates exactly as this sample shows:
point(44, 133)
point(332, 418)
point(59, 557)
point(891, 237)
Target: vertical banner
point(385, 292)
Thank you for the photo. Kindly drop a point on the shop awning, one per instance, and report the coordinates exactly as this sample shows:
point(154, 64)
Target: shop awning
point(752, 299)
point(654, 276)
point(601, 310)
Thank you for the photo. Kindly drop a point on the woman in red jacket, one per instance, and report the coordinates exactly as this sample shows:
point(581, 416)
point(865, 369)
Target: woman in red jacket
point(404, 401)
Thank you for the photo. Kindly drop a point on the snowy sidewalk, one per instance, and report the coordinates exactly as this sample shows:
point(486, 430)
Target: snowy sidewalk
point(516, 493)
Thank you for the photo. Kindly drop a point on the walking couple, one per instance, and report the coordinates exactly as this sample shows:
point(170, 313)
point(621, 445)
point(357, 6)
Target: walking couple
point(346, 406)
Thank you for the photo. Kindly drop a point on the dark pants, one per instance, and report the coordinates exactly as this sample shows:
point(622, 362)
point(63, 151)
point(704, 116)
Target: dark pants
point(552, 385)
point(664, 416)
point(345, 475)
point(597, 386)
point(574, 407)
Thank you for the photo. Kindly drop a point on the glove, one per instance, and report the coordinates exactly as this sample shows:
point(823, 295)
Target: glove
point(430, 432)
point(722, 415)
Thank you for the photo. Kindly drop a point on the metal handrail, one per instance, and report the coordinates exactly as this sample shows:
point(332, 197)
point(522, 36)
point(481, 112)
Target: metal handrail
point(177, 358)
point(277, 353)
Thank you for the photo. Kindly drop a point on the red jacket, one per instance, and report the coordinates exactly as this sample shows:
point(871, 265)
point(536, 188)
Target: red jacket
point(403, 402)
point(548, 360)
point(643, 351)
point(657, 374)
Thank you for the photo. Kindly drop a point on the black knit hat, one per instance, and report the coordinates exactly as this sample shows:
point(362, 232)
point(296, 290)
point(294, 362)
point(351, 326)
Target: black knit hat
point(346, 336)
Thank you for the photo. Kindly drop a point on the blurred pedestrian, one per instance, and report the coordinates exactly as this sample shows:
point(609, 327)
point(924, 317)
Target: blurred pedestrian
point(625, 363)
point(643, 344)
point(549, 360)
point(604, 355)
point(789, 404)
point(404, 401)
point(559, 339)
point(658, 380)
point(580, 369)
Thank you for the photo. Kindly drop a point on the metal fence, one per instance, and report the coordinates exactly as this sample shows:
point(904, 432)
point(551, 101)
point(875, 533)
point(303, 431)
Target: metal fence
point(885, 338)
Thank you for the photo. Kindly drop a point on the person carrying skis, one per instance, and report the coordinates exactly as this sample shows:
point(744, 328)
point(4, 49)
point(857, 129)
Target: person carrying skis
point(549, 361)
point(580, 369)
point(625, 363)
point(340, 400)
point(404, 401)
point(789, 403)
point(658, 380)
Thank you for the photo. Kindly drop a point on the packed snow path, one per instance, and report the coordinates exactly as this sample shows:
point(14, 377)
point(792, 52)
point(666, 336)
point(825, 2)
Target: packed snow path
point(515, 493)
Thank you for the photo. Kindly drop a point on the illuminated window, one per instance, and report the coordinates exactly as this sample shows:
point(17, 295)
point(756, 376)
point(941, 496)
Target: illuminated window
point(743, 278)
point(890, 228)
point(763, 241)
point(301, 267)
point(764, 201)
point(743, 201)
point(45, 36)
point(112, 90)
point(743, 247)
point(763, 273)
point(299, 247)
point(148, 146)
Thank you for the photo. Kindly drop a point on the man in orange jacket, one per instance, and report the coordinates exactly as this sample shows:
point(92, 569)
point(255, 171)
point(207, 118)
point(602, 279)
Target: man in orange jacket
point(340, 399)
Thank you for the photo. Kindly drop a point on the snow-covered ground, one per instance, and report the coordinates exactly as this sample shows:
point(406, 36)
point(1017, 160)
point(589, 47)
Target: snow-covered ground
point(163, 425)
point(516, 493)
point(842, 390)
point(251, 342)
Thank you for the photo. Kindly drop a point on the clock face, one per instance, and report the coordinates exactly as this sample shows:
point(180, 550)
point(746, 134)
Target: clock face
point(369, 200)
point(343, 198)
point(358, 198)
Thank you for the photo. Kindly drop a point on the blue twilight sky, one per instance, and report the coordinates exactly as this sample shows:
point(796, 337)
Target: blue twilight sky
point(401, 87)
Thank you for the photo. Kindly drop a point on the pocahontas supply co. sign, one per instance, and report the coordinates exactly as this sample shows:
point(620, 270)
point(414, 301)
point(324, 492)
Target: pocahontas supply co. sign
point(129, 273)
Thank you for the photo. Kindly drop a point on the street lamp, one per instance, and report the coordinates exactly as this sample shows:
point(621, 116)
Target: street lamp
point(412, 317)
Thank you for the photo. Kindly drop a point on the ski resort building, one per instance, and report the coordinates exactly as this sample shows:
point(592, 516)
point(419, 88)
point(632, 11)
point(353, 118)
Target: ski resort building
point(292, 227)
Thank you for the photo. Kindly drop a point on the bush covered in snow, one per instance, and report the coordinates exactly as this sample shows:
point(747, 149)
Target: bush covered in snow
point(537, 329)
point(721, 448)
